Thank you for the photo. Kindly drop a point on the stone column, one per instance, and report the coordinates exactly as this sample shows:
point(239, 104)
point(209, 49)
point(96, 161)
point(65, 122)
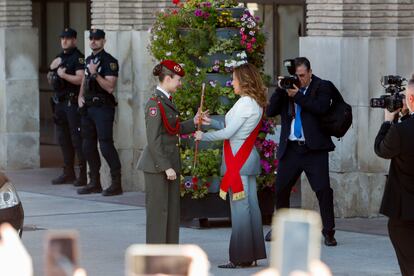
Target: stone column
point(353, 44)
point(126, 23)
point(19, 88)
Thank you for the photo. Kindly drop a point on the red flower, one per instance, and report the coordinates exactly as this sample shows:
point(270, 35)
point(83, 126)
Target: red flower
point(195, 183)
point(176, 2)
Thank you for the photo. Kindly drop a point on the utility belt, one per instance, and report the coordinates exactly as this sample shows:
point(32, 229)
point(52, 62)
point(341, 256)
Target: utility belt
point(71, 97)
point(100, 100)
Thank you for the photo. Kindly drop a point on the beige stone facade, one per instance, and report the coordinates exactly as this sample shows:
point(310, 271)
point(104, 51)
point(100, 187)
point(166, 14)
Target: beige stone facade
point(350, 42)
point(19, 88)
point(353, 44)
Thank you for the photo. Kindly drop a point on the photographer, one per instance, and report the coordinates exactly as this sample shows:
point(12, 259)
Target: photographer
point(303, 145)
point(394, 141)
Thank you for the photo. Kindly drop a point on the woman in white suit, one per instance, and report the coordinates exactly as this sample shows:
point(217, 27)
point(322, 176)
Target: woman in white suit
point(241, 165)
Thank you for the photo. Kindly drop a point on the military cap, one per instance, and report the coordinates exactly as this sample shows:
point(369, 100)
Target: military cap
point(96, 33)
point(174, 67)
point(69, 32)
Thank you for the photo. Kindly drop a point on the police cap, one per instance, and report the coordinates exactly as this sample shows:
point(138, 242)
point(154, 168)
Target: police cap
point(69, 32)
point(96, 33)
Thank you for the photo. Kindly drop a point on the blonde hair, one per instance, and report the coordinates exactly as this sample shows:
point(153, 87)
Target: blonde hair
point(251, 83)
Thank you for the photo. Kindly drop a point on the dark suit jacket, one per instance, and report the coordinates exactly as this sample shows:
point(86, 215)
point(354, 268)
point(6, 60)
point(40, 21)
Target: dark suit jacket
point(314, 103)
point(395, 142)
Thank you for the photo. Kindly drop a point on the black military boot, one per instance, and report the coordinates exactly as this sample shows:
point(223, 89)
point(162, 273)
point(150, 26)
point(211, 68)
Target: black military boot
point(115, 188)
point(67, 177)
point(94, 185)
point(82, 179)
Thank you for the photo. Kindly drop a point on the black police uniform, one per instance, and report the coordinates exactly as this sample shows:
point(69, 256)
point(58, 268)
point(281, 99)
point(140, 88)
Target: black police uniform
point(66, 115)
point(97, 124)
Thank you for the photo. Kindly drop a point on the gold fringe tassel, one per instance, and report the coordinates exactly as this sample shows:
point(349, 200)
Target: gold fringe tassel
point(239, 195)
point(223, 194)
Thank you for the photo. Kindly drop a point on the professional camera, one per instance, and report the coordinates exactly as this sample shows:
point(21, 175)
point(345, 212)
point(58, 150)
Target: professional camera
point(287, 82)
point(393, 85)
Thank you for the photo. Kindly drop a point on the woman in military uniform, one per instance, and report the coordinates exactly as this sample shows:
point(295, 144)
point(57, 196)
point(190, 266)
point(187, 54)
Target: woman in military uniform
point(160, 160)
point(241, 165)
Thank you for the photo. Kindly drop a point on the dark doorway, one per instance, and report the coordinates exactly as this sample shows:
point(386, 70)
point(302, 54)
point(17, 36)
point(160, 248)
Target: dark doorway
point(50, 17)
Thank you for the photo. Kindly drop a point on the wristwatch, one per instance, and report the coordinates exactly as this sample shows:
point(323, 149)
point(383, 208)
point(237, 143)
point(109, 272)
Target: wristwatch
point(94, 75)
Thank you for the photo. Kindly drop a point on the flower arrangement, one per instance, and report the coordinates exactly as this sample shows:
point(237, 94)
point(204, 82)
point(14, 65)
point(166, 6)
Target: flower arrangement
point(189, 34)
point(267, 149)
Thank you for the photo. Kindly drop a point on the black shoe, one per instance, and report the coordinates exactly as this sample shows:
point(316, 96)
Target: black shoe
point(89, 189)
point(228, 265)
point(268, 236)
point(79, 182)
point(94, 186)
point(330, 240)
point(82, 179)
point(112, 190)
point(115, 188)
point(67, 177)
point(232, 265)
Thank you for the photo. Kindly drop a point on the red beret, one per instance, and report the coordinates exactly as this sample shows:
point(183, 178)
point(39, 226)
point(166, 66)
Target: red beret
point(174, 67)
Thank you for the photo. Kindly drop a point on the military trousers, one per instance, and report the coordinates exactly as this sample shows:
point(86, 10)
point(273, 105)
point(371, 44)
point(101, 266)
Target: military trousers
point(68, 124)
point(97, 124)
point(163, 208)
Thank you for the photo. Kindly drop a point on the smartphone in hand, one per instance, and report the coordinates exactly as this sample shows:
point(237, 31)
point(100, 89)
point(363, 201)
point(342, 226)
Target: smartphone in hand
point(166, 259)
point(297, 240)
point(61, 254)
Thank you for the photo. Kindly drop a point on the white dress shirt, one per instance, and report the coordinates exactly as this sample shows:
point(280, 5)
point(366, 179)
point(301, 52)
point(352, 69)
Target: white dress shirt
point(163, 91)
point(241, 120)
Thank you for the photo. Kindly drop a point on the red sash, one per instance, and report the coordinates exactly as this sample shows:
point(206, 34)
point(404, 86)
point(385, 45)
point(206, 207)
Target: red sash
point(171, 130)
point(231, 178)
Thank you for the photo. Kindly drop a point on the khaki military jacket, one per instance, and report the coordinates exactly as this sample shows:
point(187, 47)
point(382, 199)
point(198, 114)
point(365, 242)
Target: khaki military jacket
point(162, 151)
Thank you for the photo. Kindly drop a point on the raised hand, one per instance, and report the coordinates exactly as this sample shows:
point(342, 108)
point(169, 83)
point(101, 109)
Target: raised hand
point(198, 135)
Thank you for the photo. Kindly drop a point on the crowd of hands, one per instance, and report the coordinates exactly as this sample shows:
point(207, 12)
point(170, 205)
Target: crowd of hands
point(16, 261)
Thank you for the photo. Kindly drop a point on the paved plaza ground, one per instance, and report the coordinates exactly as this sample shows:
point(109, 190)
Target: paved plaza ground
point(107, 226)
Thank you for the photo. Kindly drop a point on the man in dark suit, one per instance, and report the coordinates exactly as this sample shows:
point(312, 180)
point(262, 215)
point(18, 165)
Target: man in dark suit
point(395, 141)
point(303, 146)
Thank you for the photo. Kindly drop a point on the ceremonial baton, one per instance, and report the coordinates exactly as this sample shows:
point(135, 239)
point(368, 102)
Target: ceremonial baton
point(200, 120)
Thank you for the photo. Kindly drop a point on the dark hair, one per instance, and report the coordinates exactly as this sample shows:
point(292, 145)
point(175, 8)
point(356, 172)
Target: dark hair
point(299, 61)
point(161, 72)
point(251, 83)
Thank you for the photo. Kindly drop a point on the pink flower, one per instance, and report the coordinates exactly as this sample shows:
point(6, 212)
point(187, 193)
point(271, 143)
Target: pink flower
point(198, 12)
point(244, 37)
point(253, 40)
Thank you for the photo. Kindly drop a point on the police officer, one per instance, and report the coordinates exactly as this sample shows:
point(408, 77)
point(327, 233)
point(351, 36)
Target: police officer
point(97, 104)
point(65, 76)
point(160, 159)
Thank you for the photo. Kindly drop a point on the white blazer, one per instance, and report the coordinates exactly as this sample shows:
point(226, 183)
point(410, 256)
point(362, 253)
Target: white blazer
point(240, 121)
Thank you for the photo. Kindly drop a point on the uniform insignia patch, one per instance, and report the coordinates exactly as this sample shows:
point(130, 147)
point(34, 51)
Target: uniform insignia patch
point(81, 61)
point(153, 111)
point(113, 66)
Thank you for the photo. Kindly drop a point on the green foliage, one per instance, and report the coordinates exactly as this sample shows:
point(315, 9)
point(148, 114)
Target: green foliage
point(187, 34)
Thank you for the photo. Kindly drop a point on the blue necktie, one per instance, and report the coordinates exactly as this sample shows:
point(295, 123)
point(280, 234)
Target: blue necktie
point(297, 128)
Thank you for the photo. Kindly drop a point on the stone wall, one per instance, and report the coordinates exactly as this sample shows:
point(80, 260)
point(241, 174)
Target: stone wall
point(125, 14)
point(19, 88)
point(386, 18)
point(353, 44)
point(15, 13)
